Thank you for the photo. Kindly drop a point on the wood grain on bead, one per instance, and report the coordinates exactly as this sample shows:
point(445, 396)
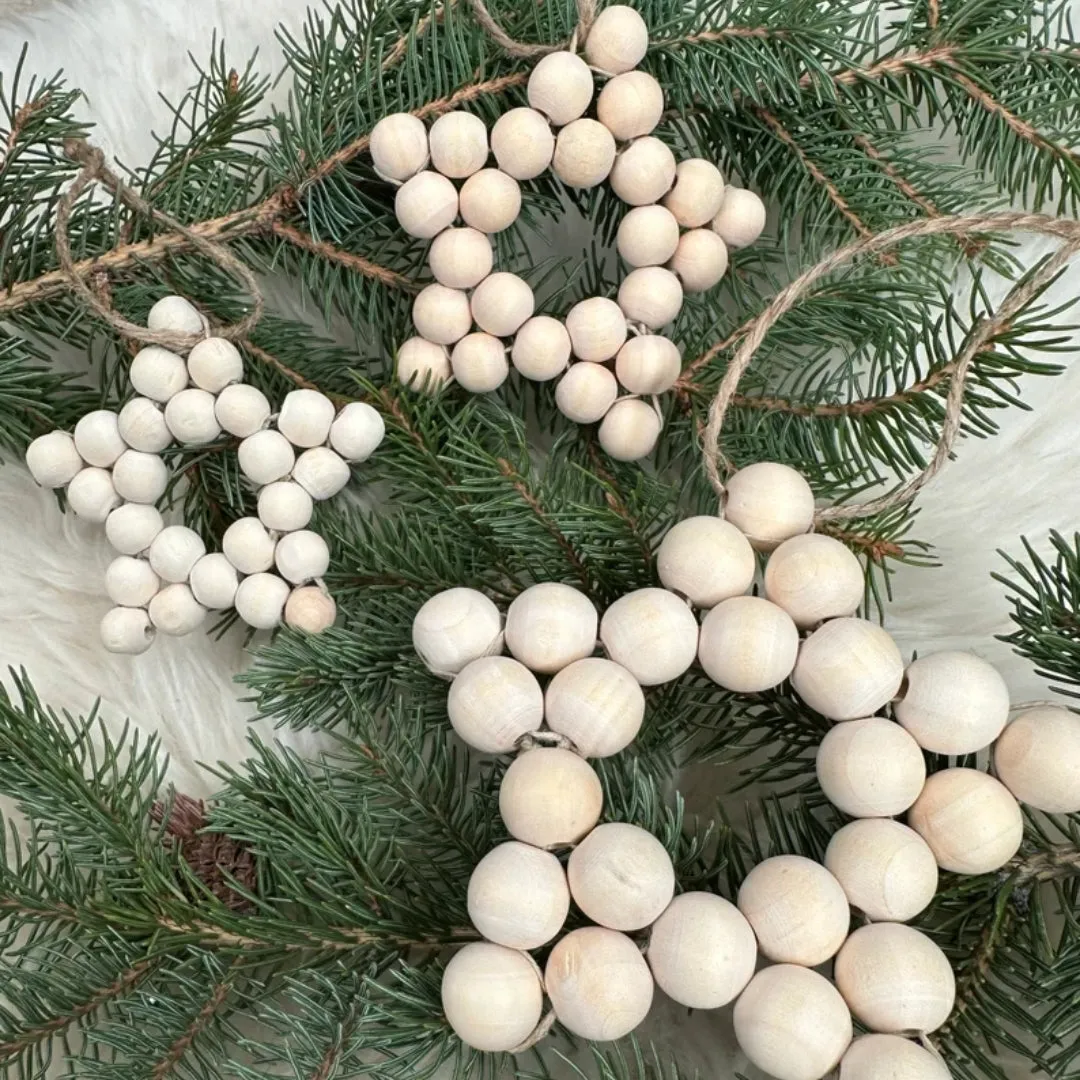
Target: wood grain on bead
point(697, 193)
point(248, 545)
point(647, 236)
point(441, 314)
point(460, 258)
point(597, 329)
point(617, 40)
point(584, 154)
point(560, 87)
point(814, 577)
point(630, 430)
point(260, 600)
point(174, 551)
point(157, 374)
point(142, 425)
point(98, 439)
point(704, 558)
point(321, 472)
point(651, 296)
point(1037, 757)
point(126, 630)
point(648, 364)
point(549, 626)
point(597, 704)
point(175, 611)
point(643, 172)
point(630, 105)
point(550, 797)
point(541, 348)
point(305, 417)
point(215, 363)
point(190, 416)
point(399, 146)
point(301, 556)
point(310, 609)
point(357, 431)
point(458, 143)
point(138, 477)
point(426, 204)
point(242, 410)
point(652, 633)
point(284, 506)
point(523, 142)
point(748, 644)
point(265, 457)
point(740, 219)
point(890, 1057)
point(132, 527)
point(769, 502)
point(53, 460)
point(490, 201)
point(493, 701)
point(92, 495)
point(586, 392)
point(501, 303)
point(479, 363)
point(422, 365)
point(455, 627)
point(214, 581)
point(700, 260)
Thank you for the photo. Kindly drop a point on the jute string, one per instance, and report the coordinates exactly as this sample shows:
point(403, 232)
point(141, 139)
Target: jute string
point(94, 170)
point(985, 329)
point(586, 15)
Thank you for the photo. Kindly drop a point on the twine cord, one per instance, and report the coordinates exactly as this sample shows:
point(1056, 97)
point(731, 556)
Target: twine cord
point(586, 10)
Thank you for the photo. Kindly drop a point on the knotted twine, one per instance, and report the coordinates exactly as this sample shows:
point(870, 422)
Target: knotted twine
point(586, 15)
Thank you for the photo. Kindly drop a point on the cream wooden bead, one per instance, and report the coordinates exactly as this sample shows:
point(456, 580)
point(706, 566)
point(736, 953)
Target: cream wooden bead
point(550, 625)
point(1037, 757)
point(584, 154)
point(586, 392)
point(953, 702)
point(886, 870)
point(501, 303)
point(748, 644)
point(618, 40)
point(894, 978)
point(126, 630)
point(265, 457)
point(541, 348)
point(459, 144)
point(130, 582)
point(302, 556)
point(560, 87)
point(490, 200)
point(357, 431)
point(53, 460)
point(870, 768)
point(970, 820)
point(142, 426)
point(190, 417)
point(518, 896)
point(260, 600)
point(479, 363)
point(493, 701)
point(848, 668)
point(700, 260)
point(321, 472)
point(629, 430)
point(426, 204)
point(423, 365)
point(139, 477)
point(98, 439)
point(241, 410)
point(797, 908)
point(643, 171)
point(214, 581)
point(702, 951)
point(460, 258)
point(455, 627)
point(697, 194)
point(174, 551)
point(131, 528)
point(215, 363)
point(814, 577)
point(399, 146)
point(91, 494)
point(310, 609)
point(648, 364)
point(647, 236)
point(652, 633)
point(285, 506)
point(621, 876)
point(157, 373)
point(651, 295)
point(175, 611)
point(176, 313)
point(597, 704)
point(890, 1057)
point(705, 558)
point(492, 996)
point(740, 219)
point(522, 140)
point(440, 314)
point(248, 546)
point(599, 984)
point(630, 105)
point(769, 502)
point(792, 1023)
point(550, 797)
point(597, 329)
point(305, 418)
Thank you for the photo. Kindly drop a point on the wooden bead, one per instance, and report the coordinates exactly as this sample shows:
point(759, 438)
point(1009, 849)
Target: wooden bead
point(599, 984)
point(797, 908)
point(501, 303)
point(357, 431)
point(886, 870)
point(652, 633)
point(130, 582)
point(597, 704)
point(597, 329)
point(214, 581)
point(131, 528)
point(455, 627)
point(490, 200)
point(643, 172)
point(702, 951)
point(1037, 758)
point(302, 556)
point(890, 1057)
point(748, 644)
point(584, 154)
point(621, 876)
point(541, 348)
point(848, 668)
point(697, 194)
point(241, 410)
point(518, 896)
point(142, 426)
point(157, 373)
point(770, 503)
point(870, 768)
point(894, 978)
point(970, 820)
point(175, 611)
point(126, 630)
point(705, 558)
point(648, 364)
point(248, 546)
point(629, 430)
point(740, 219)
point(422, 365)
point(492, 996)
point(91, 494)
point(560, 87)
point(190, 417)
point(426, 204)
point(618, 40)
point(700, 260)
point(98, 439)
point(647, 236)
point(651, 295)
point(265, 457)
point(285, 506)
point(549, 626)
point(440, 314)
point(174, 551)
point(215, 363)
point(550, 797)
point(630, 105)
point(586, 392)
point(493, 702)
point(814, 577)
point(176, 313)
point(953, 702)
point(399, 146)
point(305, 418)
point(138, 477)
point(523, 143)
point(460, 258)
point(479, 363)
point(260, 600)
point(310, 609)
point(53, 460)
point(792, 1023)
point(459, 144)
point(321, 472)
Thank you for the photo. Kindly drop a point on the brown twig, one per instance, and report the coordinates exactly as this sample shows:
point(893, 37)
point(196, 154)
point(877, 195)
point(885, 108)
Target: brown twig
point(685, 381)
point(333, 1052)
point(301, 239)
point(401, 46)
point(894, 174)
point(613, 497)
point(877, 548)
point(885, 69)
point(18, 123)
point(1051, 865)
point(201, 1019)
point(278, 365)
point(933, 13)
point(729, 33)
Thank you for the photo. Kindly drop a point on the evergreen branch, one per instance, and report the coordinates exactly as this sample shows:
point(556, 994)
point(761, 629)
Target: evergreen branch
point(933, 13)
point(928, 60)
point(327, 251)
point(894, 174)
point(280, 366)
point(1056, 863)
point(875, 547)
point(401, 47)
point(729, 33)
point(173, 1056)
